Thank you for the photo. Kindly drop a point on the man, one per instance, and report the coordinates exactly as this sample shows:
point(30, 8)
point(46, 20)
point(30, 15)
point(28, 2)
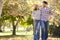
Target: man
point(46, 12)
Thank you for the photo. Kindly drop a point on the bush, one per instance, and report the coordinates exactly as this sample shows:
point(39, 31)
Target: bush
point(54, 30)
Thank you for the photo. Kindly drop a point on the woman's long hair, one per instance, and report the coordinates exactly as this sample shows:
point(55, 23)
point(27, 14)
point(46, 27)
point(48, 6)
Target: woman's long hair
point(36, 7)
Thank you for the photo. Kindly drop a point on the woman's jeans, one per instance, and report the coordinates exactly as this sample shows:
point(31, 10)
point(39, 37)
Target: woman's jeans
point(36, 29)
point(44, 29)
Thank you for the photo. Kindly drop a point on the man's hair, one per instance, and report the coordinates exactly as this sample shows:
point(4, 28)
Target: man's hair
point(45, 2)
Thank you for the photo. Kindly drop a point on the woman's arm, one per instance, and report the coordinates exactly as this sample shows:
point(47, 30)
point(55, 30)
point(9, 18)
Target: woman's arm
point(33, 15)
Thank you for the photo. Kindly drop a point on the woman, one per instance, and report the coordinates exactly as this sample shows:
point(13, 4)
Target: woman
point(36, 17)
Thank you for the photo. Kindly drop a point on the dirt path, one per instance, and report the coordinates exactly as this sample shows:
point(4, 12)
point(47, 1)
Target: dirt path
point(24, 38)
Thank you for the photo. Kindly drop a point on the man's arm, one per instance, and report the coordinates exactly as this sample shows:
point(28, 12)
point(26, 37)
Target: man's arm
point(50, 11)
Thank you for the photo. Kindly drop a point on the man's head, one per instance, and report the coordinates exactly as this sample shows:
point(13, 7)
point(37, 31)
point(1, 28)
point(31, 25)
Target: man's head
point(45, 3)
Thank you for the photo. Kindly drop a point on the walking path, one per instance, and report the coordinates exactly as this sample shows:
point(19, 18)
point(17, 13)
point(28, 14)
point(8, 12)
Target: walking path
point(24, 38)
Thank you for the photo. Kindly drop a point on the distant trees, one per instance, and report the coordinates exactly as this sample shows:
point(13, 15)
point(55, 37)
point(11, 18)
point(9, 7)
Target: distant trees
point(55, 4)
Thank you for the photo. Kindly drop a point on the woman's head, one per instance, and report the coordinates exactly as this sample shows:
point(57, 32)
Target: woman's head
point(36, 7)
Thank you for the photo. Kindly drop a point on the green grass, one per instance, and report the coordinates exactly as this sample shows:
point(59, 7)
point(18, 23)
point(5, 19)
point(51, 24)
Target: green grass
point(17, 33)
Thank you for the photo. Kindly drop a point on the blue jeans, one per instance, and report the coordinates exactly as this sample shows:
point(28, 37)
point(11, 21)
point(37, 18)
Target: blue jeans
point(44, 29)
point(36, 29)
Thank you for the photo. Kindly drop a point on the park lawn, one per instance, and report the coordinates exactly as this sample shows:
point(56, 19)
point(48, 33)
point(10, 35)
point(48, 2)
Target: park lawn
point(17, 33)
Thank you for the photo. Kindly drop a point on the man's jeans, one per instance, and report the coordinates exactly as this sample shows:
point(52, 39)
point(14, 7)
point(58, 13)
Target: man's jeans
point(36, 29)
point(44, 29)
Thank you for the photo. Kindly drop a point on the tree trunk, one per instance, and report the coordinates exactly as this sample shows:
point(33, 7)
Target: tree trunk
point(0, 29)
point(1, 6)
point(14, 30)
point(0, 26)
point(14, 26)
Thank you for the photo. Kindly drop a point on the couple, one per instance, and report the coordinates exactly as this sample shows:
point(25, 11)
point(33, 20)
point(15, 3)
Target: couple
point(41, 16)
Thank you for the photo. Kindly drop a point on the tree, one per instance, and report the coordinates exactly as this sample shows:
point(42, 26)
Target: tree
point(1, 6)
point(15, 11)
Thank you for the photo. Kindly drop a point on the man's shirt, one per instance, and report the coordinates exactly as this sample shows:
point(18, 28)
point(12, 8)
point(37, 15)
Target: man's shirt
point(46, 12)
